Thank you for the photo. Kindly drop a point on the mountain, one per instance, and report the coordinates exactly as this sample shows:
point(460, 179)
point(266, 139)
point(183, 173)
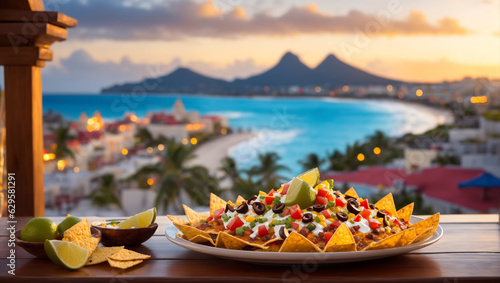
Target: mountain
point(180, 80)
point(332, 71)
point(289, 71)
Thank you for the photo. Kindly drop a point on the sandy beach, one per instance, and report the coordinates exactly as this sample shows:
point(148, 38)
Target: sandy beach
point(211, 153)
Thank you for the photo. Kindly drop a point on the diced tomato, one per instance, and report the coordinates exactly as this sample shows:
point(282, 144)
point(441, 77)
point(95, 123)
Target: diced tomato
point(388, 213)
point(366, 214)
point(336, 224)
point(322, 193)
point(396, 221)
point(365, 204)
point(330, 197)
point(286, 212)
point(339, 202)
point(328, 236)
point(271, 193)
point(294, 225)
point(269, 200)
point(295, 212)
point(262, 230)
point(327, 213)
point(357, 218)
point(218, 213)
point(374, 224)
point(234, 223)
point(210, 218)
point(285, 189)
point(321, 200)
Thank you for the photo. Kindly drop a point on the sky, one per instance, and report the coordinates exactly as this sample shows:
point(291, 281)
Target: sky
point(120, 41)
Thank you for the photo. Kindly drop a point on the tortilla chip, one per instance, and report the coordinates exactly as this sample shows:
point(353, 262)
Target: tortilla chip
point(216, 203)
point(425, 224)
point(177, 220)
point(295, 242)
point(407, 237)
point(406, 212)
point(389, 242)
point(125, 255)
point(90, 244)
point(101, 254)
point(193, 216)
point(190, 232)
point(341, 241)
point(239, 200)
point(387, 203)
point(123, 264)
point(423, 235)
point(182, 236)
point(234, 243)
point(219, 243)
point(352, 192)
point(80, 230)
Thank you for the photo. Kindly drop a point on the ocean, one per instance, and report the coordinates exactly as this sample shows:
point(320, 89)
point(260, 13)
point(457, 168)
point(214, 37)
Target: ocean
point(292, 127)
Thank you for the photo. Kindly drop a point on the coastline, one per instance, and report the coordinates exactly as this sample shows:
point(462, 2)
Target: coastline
point(212, 152)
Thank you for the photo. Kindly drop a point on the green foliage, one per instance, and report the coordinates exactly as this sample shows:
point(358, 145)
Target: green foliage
point(492, 115)
point(312, 160)
point(62, 137)
point(447, 160)
point(107, 193)
point(175, 176)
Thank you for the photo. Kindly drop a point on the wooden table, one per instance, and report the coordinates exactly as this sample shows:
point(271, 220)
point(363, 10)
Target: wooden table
point(469, 251)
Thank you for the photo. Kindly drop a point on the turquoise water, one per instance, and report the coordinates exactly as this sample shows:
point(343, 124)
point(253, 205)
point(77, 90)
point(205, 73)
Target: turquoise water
point(292, 127)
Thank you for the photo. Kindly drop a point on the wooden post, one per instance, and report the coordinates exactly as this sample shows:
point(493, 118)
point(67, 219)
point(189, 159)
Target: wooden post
point(26, 33)
point(23, 100)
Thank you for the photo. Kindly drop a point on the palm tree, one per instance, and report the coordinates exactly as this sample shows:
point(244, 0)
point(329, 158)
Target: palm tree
point(268, 170)
point(143, 137)
point(312, 160)
point(62, 136)
point(175, 177)
point(379, 139)
point(107, 193)
point(230, 170)
point(336, 161)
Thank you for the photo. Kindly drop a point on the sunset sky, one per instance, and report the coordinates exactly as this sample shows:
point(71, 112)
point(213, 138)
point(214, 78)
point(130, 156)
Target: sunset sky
point(118, 41)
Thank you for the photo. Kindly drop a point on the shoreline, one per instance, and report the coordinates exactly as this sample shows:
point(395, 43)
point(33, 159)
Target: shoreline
point(210, 154)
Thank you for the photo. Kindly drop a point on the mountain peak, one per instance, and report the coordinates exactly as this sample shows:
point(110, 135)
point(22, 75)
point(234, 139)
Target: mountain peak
point(289, 56)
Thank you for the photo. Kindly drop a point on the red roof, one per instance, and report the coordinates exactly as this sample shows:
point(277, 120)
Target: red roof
point(162, 118)
point(437, 182)
point(211, 117)
point(84, 137)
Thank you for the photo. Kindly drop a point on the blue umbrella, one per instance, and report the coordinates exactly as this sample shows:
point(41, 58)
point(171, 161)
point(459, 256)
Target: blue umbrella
point(485, 181)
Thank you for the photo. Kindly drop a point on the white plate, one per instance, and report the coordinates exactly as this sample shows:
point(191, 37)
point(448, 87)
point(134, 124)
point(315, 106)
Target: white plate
point(300, 258)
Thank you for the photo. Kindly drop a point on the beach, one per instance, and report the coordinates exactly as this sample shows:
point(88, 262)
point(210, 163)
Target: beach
point(210, 154)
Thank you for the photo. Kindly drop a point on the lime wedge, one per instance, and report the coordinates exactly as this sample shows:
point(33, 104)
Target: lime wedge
point(301, 193)
point(140, 220)
point(66, 253)
point(311, 177)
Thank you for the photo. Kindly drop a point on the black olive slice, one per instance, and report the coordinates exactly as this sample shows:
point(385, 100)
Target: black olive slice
point(336, 194)
point(306, 218)
point(242, 208)
point(352, 206)
point(278, 208)
point(380, 214)
point(342, 216)
point(259, 207)
point(371, 205)
point(386, 221)
point(229, 208)
point(250, 200)
point(318, 207)
point(284, 233)
point(349, 197)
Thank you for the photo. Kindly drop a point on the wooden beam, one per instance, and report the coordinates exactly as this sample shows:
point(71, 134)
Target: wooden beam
point(29, 5)
point(31, 34)
point(24, 138)
point(54, 18)
point(24, 55)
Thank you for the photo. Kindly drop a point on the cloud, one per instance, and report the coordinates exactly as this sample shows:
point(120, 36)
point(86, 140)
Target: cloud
point(174, 20)
point(80, 73)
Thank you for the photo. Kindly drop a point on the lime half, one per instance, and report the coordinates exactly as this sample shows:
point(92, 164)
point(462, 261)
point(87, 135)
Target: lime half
point(301, 193)
point(311, 177)
point(66, 253)
point(140, 220)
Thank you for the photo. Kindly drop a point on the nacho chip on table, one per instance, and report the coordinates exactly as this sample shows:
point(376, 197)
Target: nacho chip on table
point(124, 255)
point(123, 264)
point(101, 254)
point(80, 230)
